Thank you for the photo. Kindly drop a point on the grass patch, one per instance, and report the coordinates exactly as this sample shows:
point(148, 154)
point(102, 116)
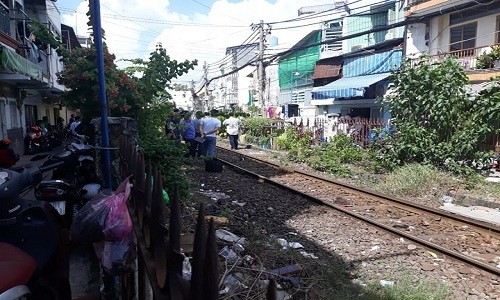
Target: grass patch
point(414, 180)
point(409, 287)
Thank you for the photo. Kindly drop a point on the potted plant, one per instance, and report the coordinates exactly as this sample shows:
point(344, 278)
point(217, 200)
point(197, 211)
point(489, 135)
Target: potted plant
point(489, 60)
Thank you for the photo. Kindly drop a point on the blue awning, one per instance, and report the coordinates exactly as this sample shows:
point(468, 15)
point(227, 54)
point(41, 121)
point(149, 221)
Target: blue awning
point(347, 87)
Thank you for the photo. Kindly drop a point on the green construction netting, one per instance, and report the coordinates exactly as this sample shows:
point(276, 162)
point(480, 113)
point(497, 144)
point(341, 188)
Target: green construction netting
point(298, 67)
point(14, 62)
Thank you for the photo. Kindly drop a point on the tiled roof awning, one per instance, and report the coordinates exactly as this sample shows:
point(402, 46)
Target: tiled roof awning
point(347, 87)
point(326, 71)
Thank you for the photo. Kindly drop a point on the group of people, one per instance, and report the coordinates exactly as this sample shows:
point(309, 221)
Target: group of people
point(200, 132)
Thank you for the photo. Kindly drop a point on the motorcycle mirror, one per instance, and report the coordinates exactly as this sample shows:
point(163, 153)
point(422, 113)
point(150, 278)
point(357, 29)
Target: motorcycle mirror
point(39, 157)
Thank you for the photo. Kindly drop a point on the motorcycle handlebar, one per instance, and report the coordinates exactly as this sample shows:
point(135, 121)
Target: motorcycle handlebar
point(51, 166)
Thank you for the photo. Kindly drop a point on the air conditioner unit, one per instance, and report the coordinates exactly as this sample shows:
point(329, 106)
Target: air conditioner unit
point(356, 47)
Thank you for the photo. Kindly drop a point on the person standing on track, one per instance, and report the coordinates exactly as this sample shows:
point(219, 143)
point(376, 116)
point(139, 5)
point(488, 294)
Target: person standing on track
point(209, 127)
point(233, 131)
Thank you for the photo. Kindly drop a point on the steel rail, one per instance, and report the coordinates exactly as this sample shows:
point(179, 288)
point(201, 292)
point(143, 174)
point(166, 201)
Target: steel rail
point(479, 224)
point(457, 255)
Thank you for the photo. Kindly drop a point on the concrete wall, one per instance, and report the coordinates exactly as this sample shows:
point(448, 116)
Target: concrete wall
point(439, 34)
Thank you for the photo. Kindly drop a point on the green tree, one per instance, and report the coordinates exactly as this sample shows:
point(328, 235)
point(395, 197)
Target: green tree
point(81, 79)
point(436, 121)
point(151, 78)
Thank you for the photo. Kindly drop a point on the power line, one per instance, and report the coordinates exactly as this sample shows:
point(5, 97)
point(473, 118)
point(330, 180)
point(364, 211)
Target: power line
point(202, 4)
point(378, 29)
point(152, 21)
point(314, 15)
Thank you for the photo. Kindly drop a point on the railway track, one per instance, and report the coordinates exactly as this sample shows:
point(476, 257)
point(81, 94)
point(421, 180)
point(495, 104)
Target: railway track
point(473, 242)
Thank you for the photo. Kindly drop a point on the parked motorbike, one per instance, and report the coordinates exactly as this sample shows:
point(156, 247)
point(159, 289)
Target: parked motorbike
point(72, 184)
point(34, 246)
point(39, 139)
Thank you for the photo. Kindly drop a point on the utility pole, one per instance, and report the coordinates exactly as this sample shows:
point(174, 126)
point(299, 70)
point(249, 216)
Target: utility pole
point(194, 97)
point(260, 70)
point(205, 79)
point(106, 155)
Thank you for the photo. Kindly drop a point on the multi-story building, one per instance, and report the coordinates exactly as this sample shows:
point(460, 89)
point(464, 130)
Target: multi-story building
point(352, 73)
point(463, 29)
point(295, 71)
point(237, 88)
point(29, 64)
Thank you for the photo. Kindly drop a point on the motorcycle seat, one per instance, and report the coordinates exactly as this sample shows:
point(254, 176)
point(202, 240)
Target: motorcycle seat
point(16, 267)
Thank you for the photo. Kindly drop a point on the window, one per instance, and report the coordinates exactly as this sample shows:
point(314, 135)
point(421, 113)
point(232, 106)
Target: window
point(463, 37)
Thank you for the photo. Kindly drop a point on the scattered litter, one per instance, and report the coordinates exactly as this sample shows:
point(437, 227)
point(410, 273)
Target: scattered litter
point(215, 195)
point(387, 283)
point(270, 209)
point(375, 248)
point(186, 269)
point(412, 247)
point(402, 240)
point(498, 266)
point(358, 282)
point(248, 258)
point(295, 245)
point(287, 270)
point(308, 255)
point(232, 285)
point(240, 204)
point(447, 199)
point(218, 220)
point(283, 243)
point(229, 236)
point(228, 254)
point(432, 254)
point(239, 247)
point(282, 295)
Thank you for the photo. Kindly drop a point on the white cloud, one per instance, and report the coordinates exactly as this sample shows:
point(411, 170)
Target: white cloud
point(133, 27)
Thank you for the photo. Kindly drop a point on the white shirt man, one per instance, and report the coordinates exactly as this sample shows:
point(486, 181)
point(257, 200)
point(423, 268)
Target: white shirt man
point(209, 127)
point(233, 130)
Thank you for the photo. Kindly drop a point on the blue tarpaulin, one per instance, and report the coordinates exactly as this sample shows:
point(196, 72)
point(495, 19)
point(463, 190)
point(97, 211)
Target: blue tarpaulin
point(347, 87)
point(372, 64)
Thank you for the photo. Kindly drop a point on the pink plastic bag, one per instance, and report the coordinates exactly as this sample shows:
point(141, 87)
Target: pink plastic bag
point(118, 225)
point(117, 252)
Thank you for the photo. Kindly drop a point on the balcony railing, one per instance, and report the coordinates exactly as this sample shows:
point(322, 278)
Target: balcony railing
point(467, 58)
point(4, 20)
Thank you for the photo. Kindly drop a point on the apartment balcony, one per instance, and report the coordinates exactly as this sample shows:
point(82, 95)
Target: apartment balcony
point(417, 8)
point(17, 69)
point(468, 59)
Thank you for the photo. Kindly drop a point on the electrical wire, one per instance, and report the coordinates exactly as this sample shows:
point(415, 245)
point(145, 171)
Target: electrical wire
point(359, 13)
point(381, 28)
point(152, 21)
point(315, 15)
point(202, 4)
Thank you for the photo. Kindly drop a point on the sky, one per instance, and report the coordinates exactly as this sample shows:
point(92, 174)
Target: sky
point(188, 29)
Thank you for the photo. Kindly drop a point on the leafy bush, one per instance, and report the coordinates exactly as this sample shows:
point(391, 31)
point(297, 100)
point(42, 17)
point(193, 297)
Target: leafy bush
point(168, 158)
point(436, 121)
point(333, 156)
point(258, 130)
point(487, 60)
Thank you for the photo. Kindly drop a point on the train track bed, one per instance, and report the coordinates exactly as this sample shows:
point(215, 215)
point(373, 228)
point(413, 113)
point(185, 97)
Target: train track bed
point(365, 252)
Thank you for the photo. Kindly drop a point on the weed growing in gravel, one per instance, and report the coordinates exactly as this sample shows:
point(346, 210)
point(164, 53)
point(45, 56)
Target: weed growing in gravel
point(414, 180)
point(409, 287)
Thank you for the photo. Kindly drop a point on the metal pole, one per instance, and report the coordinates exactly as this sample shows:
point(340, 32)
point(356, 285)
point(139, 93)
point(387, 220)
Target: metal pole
point(106, 167)
point(260, 69)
